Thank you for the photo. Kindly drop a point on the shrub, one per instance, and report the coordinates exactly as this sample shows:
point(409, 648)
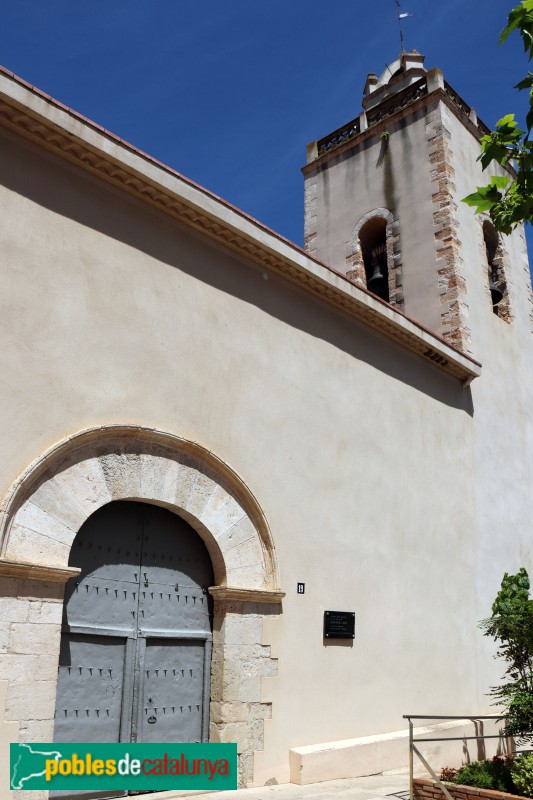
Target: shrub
point(522, 771)
point(495, 774)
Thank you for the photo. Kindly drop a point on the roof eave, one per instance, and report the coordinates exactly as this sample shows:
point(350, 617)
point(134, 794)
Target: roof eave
point(48, 123)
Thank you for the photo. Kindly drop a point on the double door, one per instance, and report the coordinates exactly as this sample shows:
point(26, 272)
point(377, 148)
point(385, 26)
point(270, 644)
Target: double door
point(136, 640)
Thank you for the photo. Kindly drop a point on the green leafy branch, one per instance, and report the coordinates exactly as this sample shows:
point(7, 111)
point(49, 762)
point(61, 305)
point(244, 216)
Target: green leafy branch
point(510, 202)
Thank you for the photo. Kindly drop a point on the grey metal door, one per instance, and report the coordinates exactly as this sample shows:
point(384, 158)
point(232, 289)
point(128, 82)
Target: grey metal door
point(136, 641)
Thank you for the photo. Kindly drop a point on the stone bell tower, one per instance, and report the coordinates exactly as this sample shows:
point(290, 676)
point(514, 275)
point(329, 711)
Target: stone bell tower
point(383, 205)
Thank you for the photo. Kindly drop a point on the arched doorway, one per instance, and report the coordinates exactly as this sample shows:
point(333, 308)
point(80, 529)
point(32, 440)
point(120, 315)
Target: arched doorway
point(136, 635)
point(63, 488)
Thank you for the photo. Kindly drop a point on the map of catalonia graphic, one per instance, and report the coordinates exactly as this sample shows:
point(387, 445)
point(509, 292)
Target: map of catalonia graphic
point(30, 764)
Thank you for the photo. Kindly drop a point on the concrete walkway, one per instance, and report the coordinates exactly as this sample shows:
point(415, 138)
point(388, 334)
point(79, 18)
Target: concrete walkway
point(374, 787)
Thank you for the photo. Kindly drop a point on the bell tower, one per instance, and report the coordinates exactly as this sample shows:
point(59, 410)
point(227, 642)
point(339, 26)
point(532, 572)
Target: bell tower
point(383, 205)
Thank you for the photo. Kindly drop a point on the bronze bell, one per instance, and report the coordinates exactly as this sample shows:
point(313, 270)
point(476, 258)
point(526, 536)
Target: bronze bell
point(377, 282)
point(495, 292)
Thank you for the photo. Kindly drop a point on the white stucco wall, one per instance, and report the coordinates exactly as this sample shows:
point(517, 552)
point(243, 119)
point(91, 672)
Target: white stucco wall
point(502, 423)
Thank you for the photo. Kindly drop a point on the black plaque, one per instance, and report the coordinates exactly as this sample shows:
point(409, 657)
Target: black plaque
point(339, 625)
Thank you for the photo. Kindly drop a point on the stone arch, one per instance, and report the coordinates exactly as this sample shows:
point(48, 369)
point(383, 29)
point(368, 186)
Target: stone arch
point(355, 268)
point(40, 517)
point(50, 501)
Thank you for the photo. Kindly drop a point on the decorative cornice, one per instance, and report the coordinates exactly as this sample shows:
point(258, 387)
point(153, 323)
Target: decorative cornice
point(160, 187)
point(232, 593)
point(36, 572)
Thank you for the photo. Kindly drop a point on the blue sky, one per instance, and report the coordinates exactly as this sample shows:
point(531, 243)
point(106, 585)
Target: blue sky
point(230, 93)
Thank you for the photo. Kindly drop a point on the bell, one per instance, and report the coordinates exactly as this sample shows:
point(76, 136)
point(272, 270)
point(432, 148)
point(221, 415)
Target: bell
point(495, 292)
point(376, 283)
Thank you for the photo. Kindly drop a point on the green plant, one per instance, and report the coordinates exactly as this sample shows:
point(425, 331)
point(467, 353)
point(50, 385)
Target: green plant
point(511, 624)
point(510, 202)
point(522, 772)
point(495, 774)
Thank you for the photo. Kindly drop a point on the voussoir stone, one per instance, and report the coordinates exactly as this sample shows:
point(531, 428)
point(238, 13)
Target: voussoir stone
point(86, 481)
point(222, 516)
point(200, 495)
point(186, 479)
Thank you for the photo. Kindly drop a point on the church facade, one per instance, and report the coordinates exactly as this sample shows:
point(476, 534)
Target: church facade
point(213, 440)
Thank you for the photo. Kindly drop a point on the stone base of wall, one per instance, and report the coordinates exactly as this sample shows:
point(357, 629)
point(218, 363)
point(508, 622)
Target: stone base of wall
point(9, 732)
point(29, 647)
point(240, 663)
point(425, 789)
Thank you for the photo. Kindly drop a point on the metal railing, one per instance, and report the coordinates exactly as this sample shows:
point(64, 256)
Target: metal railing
point(413, 749)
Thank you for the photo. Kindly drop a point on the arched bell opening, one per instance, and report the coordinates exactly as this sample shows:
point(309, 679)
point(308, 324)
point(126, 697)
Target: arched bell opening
point(373, 255)
point(136, 640)
point(494, 264)
point(373, 241)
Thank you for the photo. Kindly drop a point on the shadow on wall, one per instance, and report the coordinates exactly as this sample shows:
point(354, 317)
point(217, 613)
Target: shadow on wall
point(69, 192)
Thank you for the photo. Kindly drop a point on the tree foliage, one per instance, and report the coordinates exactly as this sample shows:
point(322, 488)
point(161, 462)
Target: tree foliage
point(522, 772)
point(511, 625)
point(510, 202)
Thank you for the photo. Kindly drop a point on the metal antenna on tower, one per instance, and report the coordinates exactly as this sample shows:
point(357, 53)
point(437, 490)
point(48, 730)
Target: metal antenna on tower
point(401, 15)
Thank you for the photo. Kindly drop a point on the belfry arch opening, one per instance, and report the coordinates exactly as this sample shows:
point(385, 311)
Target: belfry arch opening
point(373, 241)
point(494, 254)
point(490, 237)
point(136, 635)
